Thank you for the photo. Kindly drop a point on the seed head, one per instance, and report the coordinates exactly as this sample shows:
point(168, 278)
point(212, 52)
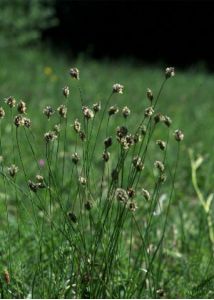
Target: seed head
point(72, 217)
point(2, 113)
point(77, 126)
point(127, 141)
point(106, 156)
point(121, 132)
point(27, 122)
point(66, 91)
point(113, 110)
point(148, 112)
point(108, 142)
point(48, 111)
point(33, 186)
point(121, 195)
point(118, 88)
point(82, 180)
point(19, 121)
point(179, 136)
point(74, 73)
point(132, 206)
point(146, 194)
point(126, 112)
point(149, 94)
point(21, 107)
point(40, 182)
point(96, 107)
point(131, 192)
point(167, 121)
point(88, 113)
point(75, 158)
point(62, 109)
point(88, 205)
point(82, 136)
point(39, 178)
point(137, 163)
point(159, 118)
point(57, 128)
point(170, 72)
point(142, 129)
point(12, 170)
point(50, 136)
point(137, 138)
point(161, 144)
point(159, 165)
point(10, 101)
point(160, 293)
point(162, 178)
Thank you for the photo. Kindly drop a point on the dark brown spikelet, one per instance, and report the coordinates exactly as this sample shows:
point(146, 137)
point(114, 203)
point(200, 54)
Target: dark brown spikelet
point(48, 111)
point(179, 136)
point(21, 107)
point(62, 110)
point(142, 129)
point(82, 135)
point(50, 136)
point(88, 205)
point(159, 118)
point(75, 158)
point(148, 111)
point(40, 182)
point(33, 186)
point(72, 217)
point(2, 113)
point(12, 170)
point(169, 72)
point(108, 142)
point(96, 107)
point(149, 94)
point(138, 163)
point(126, 112)
point(167, 121)
point(113, 110)
point(121, 132)
point(106, 156)
point(160, 293)
point(132, 206)
point(27, 122)
point(66, 91)
point(162, 177)
point(131, 192)
point(10, 101)
point(74, 73)
point(121, 195)
point(161, 144)
point(19, 121)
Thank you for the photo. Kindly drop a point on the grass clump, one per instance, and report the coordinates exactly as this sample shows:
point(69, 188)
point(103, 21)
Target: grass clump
point(85, 201)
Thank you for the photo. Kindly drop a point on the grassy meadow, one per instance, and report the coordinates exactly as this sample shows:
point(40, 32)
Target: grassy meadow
point(78, 232)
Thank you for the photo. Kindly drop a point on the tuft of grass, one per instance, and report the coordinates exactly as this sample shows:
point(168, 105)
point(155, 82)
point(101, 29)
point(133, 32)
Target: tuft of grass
point(89, 214)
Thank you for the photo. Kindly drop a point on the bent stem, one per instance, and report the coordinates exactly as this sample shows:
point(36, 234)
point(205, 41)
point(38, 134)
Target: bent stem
point(205, 203)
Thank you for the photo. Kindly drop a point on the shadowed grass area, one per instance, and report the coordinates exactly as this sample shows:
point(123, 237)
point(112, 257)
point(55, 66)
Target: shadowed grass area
point(182, 266)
